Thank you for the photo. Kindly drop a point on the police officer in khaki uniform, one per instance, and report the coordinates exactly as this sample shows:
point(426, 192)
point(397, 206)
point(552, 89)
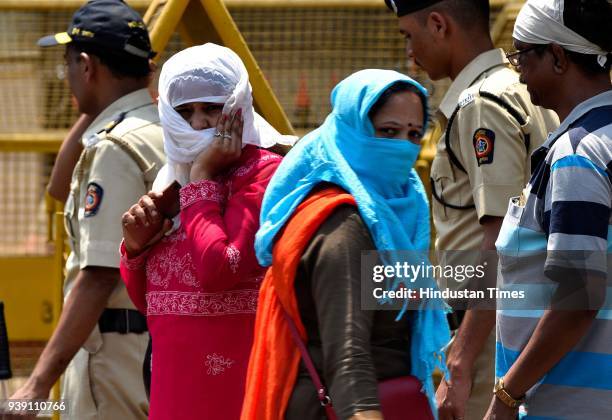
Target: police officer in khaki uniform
point(101, 339)
point(483, 158)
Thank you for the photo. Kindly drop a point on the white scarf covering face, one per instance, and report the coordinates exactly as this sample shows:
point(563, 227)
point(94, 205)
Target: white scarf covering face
point(205, 73)
point(541, 22)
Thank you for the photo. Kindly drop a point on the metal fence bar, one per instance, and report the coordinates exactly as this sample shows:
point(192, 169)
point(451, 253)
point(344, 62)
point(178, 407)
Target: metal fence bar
point(75, 4)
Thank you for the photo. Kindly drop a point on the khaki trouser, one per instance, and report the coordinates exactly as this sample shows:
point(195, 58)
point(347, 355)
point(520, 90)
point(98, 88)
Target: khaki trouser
point(104, 380)
point(483, 379)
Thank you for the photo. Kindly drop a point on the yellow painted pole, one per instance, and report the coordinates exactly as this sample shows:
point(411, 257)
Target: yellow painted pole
point(148, 16)
point(50, 211)
point(162, 26)
point(57, 4)
point(319, 4)
point(47, 142)
point(75, 4)
point(306, 4)
point(232, 38)
point(58, 279)
point(507, 14)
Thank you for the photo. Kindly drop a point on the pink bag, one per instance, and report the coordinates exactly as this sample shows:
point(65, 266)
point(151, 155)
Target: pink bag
point(400, 398)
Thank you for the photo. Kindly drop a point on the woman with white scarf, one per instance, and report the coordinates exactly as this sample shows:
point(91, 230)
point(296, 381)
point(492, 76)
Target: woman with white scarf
point(196, 276)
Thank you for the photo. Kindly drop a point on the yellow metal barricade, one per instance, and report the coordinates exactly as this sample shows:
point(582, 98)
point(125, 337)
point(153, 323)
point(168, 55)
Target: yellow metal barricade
point(59, 261)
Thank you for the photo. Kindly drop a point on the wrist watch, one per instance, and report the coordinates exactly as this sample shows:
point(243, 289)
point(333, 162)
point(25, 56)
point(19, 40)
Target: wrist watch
point(503, 395)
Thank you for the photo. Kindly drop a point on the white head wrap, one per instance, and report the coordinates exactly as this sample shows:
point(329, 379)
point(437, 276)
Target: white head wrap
point(205, 73)
point(541, 22)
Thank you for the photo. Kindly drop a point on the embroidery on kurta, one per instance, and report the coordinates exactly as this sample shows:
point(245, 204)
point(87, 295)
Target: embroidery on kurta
point(232, 254)
point(167, 265)
point(202, 304)
point(202, 190)
point(251, 164)
point(177, 236)
point(217, 364)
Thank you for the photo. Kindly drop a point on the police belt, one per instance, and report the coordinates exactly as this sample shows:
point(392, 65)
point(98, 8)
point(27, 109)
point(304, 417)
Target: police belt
point(122, 321)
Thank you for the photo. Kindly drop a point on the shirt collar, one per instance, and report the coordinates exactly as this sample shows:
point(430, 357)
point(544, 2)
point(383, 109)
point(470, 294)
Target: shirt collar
point(603, 99)
point(470, 74)
point(127, 102)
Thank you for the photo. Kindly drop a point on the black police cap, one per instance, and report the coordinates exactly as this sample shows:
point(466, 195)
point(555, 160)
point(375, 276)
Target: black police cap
point(110, 24)
point(404, 7)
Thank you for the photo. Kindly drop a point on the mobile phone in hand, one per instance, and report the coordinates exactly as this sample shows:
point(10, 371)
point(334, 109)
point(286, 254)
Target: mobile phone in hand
point(169, 204)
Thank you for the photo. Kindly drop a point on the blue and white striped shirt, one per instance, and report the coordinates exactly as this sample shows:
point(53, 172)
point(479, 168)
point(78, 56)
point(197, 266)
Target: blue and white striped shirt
point(565, 217)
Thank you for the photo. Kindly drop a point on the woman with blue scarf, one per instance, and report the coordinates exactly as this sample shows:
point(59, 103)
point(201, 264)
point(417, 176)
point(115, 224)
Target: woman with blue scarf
point(346, 187)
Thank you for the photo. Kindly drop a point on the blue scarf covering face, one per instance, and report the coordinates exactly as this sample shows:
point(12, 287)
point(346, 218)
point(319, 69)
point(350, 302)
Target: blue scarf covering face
point(390, 197)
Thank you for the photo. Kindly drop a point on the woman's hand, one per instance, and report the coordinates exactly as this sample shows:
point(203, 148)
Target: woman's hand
point(143, 225)
point(223, 152)
point(452, 395)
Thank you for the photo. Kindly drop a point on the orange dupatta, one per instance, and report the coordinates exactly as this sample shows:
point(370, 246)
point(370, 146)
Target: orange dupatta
point(275, 359)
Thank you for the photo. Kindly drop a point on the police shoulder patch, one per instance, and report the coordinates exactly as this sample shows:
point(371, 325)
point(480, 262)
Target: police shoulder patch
point(484, 142)
point(93, 199)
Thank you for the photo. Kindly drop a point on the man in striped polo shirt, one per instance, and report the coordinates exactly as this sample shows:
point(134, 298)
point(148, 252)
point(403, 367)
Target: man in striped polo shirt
point(554, 356)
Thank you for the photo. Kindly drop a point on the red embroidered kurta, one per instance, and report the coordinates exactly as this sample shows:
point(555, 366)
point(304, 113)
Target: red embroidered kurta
point(198, 288)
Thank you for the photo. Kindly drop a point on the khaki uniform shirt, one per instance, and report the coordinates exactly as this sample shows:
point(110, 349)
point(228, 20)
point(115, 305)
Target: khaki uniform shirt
point(491, 146)
point(107, 181)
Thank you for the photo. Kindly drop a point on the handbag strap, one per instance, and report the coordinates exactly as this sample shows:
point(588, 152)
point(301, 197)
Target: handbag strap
point(322, 394)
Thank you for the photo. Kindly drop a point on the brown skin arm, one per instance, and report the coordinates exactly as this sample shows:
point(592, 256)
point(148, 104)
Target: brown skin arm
point(556, 334)
point(471, 337)
point(67, 157)
point(81, 312)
